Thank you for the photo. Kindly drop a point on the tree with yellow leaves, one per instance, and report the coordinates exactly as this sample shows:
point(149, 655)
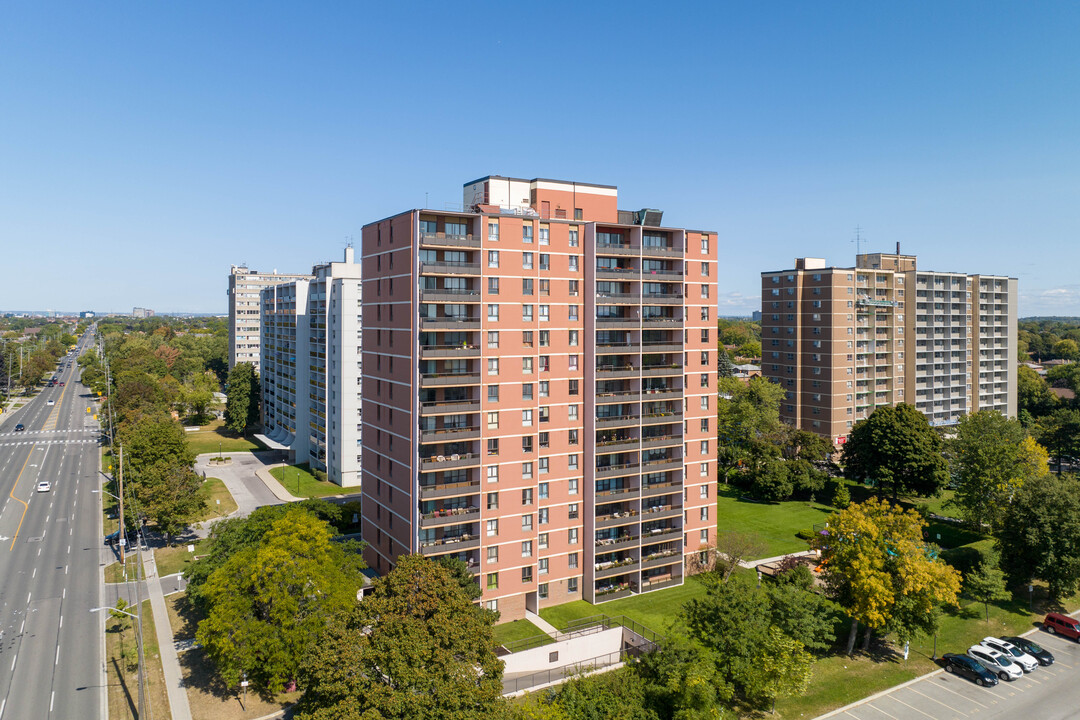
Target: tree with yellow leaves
point(878, 568)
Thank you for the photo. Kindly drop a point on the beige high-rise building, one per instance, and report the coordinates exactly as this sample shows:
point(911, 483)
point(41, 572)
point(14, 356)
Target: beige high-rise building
point(244, 333)
point(843, 341)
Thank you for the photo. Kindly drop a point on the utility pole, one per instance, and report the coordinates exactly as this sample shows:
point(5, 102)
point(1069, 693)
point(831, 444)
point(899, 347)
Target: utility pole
point(122, 536)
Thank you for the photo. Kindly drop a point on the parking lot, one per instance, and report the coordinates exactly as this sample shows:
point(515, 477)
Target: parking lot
point(1047, 693)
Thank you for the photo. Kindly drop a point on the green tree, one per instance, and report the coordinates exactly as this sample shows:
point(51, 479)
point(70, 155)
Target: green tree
point(1040, 536)
point(725, 366)
point(786, 667)
point(1066, 350)
point(987, 457)
point(172, 496)
point(681, 681)
point(746, 413)
point(414, 648)
point(1059, 433)
point(268, 604)
point(619, 695)
point(896, 447)
point(152, 441)
point(879, 570)
point(1033, 393)
point(197, 395)
point(987, 582)
point(841, 499)
point(803, 614)
point(242, 404)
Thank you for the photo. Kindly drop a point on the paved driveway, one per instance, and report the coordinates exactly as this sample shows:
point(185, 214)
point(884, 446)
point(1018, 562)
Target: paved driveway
point(1048, 693)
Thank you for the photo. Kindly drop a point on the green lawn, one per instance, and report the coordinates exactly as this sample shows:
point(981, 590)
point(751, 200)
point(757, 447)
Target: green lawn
point(219, 501)
point(516, 630)
point(775, 523)
point(297, 480)
point(655, 610)
point(175, 558)
point(214, 437)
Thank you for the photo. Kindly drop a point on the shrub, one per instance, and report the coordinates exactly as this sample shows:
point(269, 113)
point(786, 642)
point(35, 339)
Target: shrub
point(841, 498)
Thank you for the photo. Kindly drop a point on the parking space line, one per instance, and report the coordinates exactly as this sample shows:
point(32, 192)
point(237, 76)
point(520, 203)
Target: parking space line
point(874, 707)
point(912, 689)
point(962, 697)
point(896, 699)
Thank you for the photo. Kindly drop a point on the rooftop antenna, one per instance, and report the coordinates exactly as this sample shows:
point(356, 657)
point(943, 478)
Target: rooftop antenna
point(425, 200)
point(858, 240)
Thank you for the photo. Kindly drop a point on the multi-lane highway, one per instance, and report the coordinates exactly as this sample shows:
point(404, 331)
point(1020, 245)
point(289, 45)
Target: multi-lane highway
point(50, 573)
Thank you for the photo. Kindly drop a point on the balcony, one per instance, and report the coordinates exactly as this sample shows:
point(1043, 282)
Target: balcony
point(445, 267)
point(626, 517)
point(616, 249)
point(449, 407)
point(662, 323)
point(620, 396)
point(612, 544)
point(450, 323)
point(661, 512)
point(661, 251)
point(661, 347)
point(613, 372)
point(617, 273)
point(453, 545)
point(617, 299)
point(616, 421)
point(616, 348)
point(454, 516)
point(616, 494)
point(444, 240)
point(661, 394)
point(665, 581)
point(429, 380)
point(616, 470)
point(662, 535)
point(668, 557)
point(444, 490)
point(449, 296)
point(661, 441)
point(434, 463)
point(662, 276)
point(662, 370)
point(662, 465)
point(450, 434)
point(662, 299)
point(620, 445)
point(611, 569)
point(661, 417)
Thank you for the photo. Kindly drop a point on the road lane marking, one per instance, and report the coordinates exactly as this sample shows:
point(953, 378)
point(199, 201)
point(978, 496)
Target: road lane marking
point(896, 699)
point(25, 505)
point(874, 707)
point(57, 660)
point(33, 574)
point(13, 661)
point(52, 698)
point(963, 697)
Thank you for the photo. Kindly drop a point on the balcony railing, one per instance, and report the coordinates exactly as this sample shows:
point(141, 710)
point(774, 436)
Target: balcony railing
point(450, 323)
point(605, 570)
point(450, 407)
point(441, 490)
point(449, 267)
point(614, 322)
point(449, 516)
point(662, 370)
point(615, 421)
point(444, 240)
point(442, 379)
point(616, 249)
point(434, 463)
point(661, 417)
point(609, 544)
point(662, 251)
point(613, 470)
point(616, 494)
point(449, 295)
point(451, 545)
point(616, 371)
point(662, 299)
point(449, 434)
point(615, 519)
point(617, 272)
point(617, 298)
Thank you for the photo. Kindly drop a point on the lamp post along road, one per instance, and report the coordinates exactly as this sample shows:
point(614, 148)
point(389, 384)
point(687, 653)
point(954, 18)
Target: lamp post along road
point(139, 646)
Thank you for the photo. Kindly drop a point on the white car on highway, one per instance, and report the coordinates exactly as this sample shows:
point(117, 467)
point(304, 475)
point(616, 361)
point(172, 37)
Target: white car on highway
point(44, 486)
point(51, 402)
point(996, 662)
point(1018, 656)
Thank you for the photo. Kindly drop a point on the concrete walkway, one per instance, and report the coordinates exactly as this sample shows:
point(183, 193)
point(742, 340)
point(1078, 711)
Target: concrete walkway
point(170, 663)
point(765, 561)
point(541, 623)
point(243, 478)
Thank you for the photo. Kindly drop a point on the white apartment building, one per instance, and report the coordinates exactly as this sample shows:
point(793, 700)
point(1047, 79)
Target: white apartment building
point(244, 288)
point(311, 369)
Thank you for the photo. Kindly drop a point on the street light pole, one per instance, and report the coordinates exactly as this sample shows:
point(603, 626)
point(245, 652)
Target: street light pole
point(139, 646)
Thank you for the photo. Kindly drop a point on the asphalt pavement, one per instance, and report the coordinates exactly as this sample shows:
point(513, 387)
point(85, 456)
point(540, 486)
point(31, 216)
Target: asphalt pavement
point(50, 560)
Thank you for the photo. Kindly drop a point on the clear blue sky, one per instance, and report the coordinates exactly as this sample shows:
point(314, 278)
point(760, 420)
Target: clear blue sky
point(144, 147)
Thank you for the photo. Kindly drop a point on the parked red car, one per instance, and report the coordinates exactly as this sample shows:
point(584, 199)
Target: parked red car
point(1058, 624)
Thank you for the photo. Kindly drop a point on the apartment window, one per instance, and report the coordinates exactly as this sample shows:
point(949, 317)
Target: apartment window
point(493, 555)
point(493, 258)
point(704, 380)
point(573, 338)
point(704, 313)
point(545, 312)
point(704, 425)
point(704, 291)
point(526, 391)
point(526, 522)
point(573, 263)
point(544, 571)
point(493, 449)
point(526, 418)
point(704, 244)
point(572, 362)
point(493, 393)
point(545, 414)
point(545, 261)
point(705, 269)
point(545, 440)
point(542, 539)
point(527, 574)
point(704, 535)
point(527, 444)
point(542, 516)
point(527, 260)
point(704, 514)
point(527, 233)
point(545, 388)
point(493, 339)
point(526, 470)
point(572, 412)
point(574, 387)
point(703, 491)
point(545, 234)
point(704, 447)
point(545, 363)
point(572, 311)
point(526, 366)
point(543, 491)
point(527, 497)
point(705, 335)
point(493, 231)
point(492, 528)
point(526, 549)
point(572, 536)
point(527, 338)
point(493, 581)
point(704, 469)
point(572, 461)
point(704, 357)
point(493, 366)
point(573, 288)
point(573, 487)
point(526, 286)
point(492, 420)
point(527, 313)
point(572, 512)
point(543, 465)
point(545, 287)
point(704, 402)
point(574, 233)
point(572, 585)
point(572, 560)
point(493, 312)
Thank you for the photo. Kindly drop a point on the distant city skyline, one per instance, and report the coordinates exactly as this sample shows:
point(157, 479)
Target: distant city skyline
point(145, 150)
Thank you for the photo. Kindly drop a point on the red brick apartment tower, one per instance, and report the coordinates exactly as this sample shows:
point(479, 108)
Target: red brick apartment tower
point(539, 392)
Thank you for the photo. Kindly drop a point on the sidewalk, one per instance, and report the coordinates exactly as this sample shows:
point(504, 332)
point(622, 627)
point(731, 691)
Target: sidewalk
point(765, 561)
point(170, 663)
point(541, 623)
